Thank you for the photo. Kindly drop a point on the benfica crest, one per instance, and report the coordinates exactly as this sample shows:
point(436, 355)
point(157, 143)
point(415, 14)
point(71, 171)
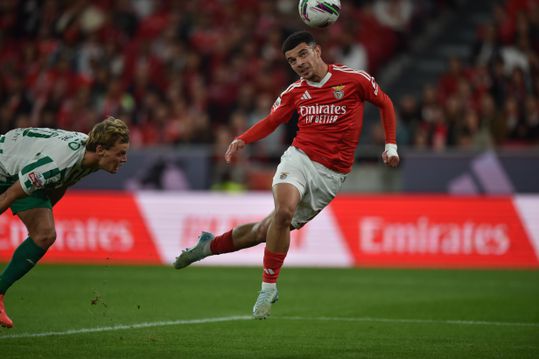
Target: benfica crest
point(338, 91)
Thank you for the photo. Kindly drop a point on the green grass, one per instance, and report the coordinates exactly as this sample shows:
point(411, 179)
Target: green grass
point(322, 313)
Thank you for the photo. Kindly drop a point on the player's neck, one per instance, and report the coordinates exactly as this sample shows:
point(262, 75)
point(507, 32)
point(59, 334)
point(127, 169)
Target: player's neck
point(320, 74)
point(90, 160)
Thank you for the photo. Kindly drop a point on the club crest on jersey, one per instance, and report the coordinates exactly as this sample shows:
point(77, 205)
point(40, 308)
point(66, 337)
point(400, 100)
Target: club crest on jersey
point(338, 91)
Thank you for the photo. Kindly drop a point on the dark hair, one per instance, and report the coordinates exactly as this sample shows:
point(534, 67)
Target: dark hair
point(297, 38)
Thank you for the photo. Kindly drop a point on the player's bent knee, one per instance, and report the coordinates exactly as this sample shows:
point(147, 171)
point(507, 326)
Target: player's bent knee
point(283, 216)
point(44, 238)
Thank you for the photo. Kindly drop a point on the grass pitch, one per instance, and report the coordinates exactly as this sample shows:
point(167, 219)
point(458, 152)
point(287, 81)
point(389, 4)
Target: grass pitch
point(203, 312)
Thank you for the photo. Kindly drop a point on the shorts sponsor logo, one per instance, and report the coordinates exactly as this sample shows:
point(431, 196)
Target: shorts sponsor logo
point(283, 175)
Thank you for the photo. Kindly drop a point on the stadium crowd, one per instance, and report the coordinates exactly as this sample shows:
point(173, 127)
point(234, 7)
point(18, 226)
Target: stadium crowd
point(203, 71)
point(488, 100)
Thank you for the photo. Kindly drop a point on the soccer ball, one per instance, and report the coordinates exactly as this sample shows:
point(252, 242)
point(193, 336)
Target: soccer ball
point(319, 13)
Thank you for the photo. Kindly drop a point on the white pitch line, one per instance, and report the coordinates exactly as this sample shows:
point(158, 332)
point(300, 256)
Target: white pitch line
point(126, 327)
point(244, 317)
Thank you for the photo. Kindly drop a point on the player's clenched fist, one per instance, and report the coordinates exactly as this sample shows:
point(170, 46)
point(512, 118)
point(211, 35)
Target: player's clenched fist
point(234, 147)
point(390, 155)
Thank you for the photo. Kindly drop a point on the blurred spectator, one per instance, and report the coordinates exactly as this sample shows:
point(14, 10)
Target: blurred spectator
point(408, 120)
point(396, 15)
point(272, 145)
point(486, 47)
point(163, 174)
point(349, 52)
point(516, 55)
point(531, 113)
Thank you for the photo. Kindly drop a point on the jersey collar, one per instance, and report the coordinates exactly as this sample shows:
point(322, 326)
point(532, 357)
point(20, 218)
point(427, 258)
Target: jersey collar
point(322, 82)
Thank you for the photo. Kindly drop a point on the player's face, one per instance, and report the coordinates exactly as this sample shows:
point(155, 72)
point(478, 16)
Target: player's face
point(111, 159)
point(305, 60)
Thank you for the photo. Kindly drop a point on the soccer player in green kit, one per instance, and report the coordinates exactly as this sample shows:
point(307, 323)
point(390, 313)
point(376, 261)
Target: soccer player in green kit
point(37, 165)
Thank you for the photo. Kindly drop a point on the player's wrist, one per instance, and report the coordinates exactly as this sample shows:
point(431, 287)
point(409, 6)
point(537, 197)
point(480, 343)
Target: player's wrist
point(391, 149)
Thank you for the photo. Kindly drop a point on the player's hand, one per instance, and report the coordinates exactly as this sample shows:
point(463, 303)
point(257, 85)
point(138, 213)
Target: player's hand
point(234, 147)
point(390, 155)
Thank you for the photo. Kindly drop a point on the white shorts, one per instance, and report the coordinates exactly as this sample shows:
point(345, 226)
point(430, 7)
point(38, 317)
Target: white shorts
point(317, 184)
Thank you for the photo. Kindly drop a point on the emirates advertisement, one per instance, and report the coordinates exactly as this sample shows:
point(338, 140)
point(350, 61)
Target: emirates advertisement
point(362, 231)
point(100, 228)
point(434, 232)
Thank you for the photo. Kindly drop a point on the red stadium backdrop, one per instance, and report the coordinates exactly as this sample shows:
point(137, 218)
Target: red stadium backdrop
point(363, 231)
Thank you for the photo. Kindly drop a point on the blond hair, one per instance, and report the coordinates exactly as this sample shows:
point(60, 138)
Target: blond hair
point(107, 133)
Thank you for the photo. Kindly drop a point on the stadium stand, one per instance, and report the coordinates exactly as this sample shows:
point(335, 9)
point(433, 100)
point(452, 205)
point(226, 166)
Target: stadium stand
point(463, 74)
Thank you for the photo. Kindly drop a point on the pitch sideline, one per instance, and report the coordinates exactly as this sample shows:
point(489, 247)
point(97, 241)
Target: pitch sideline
point(245, 317)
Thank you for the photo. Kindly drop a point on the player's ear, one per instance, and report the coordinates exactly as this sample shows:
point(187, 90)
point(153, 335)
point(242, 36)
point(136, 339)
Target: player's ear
point(318, 50)
point(100, 150)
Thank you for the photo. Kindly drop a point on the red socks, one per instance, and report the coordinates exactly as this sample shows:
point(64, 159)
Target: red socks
point(272, 266)
point(272, 261)
point(222, 244)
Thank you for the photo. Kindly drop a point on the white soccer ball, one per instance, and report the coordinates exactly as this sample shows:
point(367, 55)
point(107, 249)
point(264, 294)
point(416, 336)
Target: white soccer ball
point(319, 13)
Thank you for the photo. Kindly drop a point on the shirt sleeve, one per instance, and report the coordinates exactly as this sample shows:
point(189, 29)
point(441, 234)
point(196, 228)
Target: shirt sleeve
point(371, 92)
point(281, 112)
point(39, 174)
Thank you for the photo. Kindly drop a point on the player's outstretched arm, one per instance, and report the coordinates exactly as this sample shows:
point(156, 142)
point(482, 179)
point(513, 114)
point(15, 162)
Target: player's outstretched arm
point(234, 147)
point(10, 195)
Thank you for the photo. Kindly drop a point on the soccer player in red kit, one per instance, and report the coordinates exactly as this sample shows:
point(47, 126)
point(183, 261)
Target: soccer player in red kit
point(330, 101)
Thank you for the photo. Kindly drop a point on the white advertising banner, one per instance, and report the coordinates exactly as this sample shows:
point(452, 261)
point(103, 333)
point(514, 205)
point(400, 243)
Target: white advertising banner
point(177, 220)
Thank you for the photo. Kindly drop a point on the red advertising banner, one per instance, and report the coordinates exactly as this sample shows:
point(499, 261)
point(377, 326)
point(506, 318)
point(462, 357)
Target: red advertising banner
point(371, 231)
point(101, 228)
point(434, 231)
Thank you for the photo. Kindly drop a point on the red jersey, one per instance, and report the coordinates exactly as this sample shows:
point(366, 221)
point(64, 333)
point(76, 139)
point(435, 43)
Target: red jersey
point(330, 115)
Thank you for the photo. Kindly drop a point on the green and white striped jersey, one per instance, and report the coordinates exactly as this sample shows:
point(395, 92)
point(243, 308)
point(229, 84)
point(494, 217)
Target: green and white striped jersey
point(42, 158)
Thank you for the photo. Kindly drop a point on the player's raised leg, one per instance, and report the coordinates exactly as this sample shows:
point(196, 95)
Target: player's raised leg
point(286, 197)
point(244, 236)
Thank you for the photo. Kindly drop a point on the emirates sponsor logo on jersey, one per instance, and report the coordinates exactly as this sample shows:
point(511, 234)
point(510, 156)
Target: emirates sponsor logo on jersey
point(321, 114)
